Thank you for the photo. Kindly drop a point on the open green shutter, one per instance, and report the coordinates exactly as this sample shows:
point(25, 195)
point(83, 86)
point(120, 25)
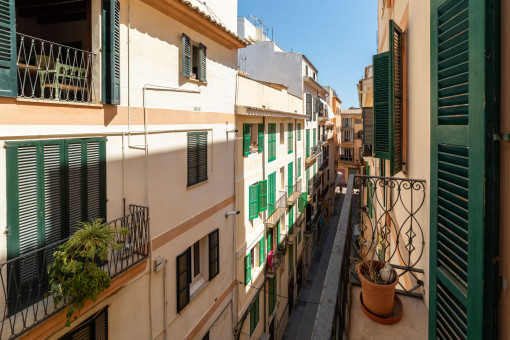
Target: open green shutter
point(463, 288)
point(396, 89)
point(314, 137)
point(290, 138)
point(254, 204)
point(183, 279)
point(246, 139)
point(299, 167)
point(290, 178)
point(8, 69)
point(271, 152)
point(309, 105)
point(307, 143)
point(278, 234)
point(382, 109)
point(186, 55)
point(261, 137)
point(111, 52)
point(269, 240)
point(271, 199)
point(261, 250)
point(291, 218)
point(262, 196)
point(202, 66)
point(247, 268)
point(368, 125)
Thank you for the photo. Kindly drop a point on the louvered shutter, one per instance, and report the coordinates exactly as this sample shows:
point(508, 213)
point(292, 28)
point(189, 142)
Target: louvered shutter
point(94, 328)
point(253, 201)
point(246, 139)
point(101, 325)
point(197, 157)
point(309, 105)
point(111, 52)
point(314, 137)
point(202, 67)
point(183, 279)
point(290, 138)
point(302, 202)
point(8, 69)
point(396, 88)
point(271, 152)
point(368, 126)
point(382, 101)
point(299, 167)
point(278, 234)
point(290, 178)
point(464, 171)
point(307, 143)
point(247, 268)
point(262, 196)
point(261, 137)
point(271, 199)
point(291, 218)
point(269, 240)
point(261, 251)
point(186, 55)
point(202, 157)
point(76, 187)
point(299, 131)
point(214, 254)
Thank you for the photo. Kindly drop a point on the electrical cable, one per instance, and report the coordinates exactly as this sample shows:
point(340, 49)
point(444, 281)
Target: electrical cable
point(285, 297)
point(212, 12)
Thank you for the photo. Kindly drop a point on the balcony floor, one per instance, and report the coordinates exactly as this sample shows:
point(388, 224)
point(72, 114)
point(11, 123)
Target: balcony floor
point(413, 325)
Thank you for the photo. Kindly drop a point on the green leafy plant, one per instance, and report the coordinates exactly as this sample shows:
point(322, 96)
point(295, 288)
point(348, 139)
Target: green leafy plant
point(76, 273)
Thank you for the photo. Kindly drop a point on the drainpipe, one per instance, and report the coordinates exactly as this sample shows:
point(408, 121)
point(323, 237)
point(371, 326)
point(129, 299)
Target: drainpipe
point(264, 216)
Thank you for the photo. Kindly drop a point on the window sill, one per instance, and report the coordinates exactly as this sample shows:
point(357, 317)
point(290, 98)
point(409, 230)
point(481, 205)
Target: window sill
point(198, 288)
point(58, 102)
point(197, 184)
point(196, 81)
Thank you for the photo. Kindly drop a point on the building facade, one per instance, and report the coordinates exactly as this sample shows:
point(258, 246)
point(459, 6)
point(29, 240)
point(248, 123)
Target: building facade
point(122, 109)
point(350, 160)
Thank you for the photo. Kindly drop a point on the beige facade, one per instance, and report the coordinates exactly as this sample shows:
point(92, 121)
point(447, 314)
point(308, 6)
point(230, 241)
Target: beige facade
point(149, 140)
point(350, 159)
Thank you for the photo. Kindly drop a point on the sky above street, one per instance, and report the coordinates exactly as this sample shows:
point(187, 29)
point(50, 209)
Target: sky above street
point(338, 36)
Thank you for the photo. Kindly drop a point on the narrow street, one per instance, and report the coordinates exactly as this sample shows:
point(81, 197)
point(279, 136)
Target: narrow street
point(300, 325)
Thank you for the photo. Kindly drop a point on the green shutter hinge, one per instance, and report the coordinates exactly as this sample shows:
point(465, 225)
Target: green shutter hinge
point(6, 231)
point(501, 137)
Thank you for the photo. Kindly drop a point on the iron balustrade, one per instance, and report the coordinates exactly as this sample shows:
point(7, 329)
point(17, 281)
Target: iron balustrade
point(26, 298)
point(51, 71)
point(313, 184)
point(380, 219)
point(277, 209)
point(313, 151)
point(293, 192)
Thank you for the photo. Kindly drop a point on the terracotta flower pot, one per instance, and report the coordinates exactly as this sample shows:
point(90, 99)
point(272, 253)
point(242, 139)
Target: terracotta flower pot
point(377, 298)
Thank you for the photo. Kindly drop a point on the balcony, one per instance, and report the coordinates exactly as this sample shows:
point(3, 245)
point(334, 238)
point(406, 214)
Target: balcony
point(367, 150)
point(24, 280)
point(311, 154)
point(277, 259)
point(313, 184)
point(277, 210)
point(389, 230)
point(293, 192)
point(51, 71)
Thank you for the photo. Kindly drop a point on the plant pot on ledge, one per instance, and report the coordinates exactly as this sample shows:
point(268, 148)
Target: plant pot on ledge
point(378, 297)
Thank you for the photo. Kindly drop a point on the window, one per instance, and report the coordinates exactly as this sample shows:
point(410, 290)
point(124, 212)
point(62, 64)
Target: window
point(309, 105)
point(269, 237)
point(348, 135)
point(299, 167)
point(261, 251)
point(315, 76)
point(358, 121)
point(247, 268)
point(183, 279)
point(271, 198)
point(254, 315)
point(314, 137)
point(307, 143)
point(194, 59)
point(298, 131)
point(290, 137)
point(346, 122)
point(290, 178)
point(95, 327)
point(272, 294)
point(271, 143)
point(197, 157)
point(253, 138)
point(282, 133)
point(214, 254)
point(196, 259)
point(257, 199)
point(347, 154)
point(306, 70)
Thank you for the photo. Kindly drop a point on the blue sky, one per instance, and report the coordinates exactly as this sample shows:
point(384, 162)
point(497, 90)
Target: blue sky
point(338, 36)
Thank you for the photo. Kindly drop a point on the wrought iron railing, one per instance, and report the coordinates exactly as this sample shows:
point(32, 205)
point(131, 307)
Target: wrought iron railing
point(24, 280)
point(50, 71)
point(296, 188)
point(278, 257)
point(381, 220)
point(313, 184)
point(313, 151)
point(277, 209)
point(314, 221)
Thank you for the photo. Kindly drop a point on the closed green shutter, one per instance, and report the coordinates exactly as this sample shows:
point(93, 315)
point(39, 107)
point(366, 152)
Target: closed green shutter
point(278, 234)
point(307, 143)
point(396, 92)
point(271, 200)
point(197, 157)
point(302, 202)
point(382, 106)
point(271, 143)
point(272, 294)
point(261, 137)
point(8, 68)
point(253, 201)
point(290, 137)
point(214, 254)
point(111, 52)
point(183, 279)
point(291, 218)
point(254, 314)
point(246, 139)
point(368, 125)
point(269, 240)
point(309, 105)
point(262, 196)
point(299, 167)
point(298, 131)
point(186, 55)
point(464, 290)
point(202, 66)
point(290, 178)
point(261, 251)
point(314, 137)
point(247, 268)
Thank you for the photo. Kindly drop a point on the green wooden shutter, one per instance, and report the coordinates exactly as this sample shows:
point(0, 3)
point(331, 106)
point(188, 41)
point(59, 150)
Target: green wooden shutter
point(271, 200)
point(8, 68)
point(309, 105)
point(246, 139)
point(253, 203)
point(302, 202)
point(186, 55)
point(368, 125)
point(214, 254)
point(202, 66)
point(272, 142)
point(382, 105)
point(397, 104)
point(307, 143)
point(290, 138)
point(183, 279)
point(463, 288)
point(261, 137)
point(111, 52)
point(247, 268)
point(262, 196)
point(261, 251)
point(197, 157)
point(314, 137)
point(290, 178)
point(299, 167)
point(291, 218)
point(269, 240)
point(278, 234)
point(298, 131)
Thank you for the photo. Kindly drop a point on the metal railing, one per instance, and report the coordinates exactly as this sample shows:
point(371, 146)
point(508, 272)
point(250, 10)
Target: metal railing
point(25, 283)
point(313, 184)
point(380, 220)
point(278, 257)
point(50, 71)
point(277, 209)
point(296, 188)
point(313, 151)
